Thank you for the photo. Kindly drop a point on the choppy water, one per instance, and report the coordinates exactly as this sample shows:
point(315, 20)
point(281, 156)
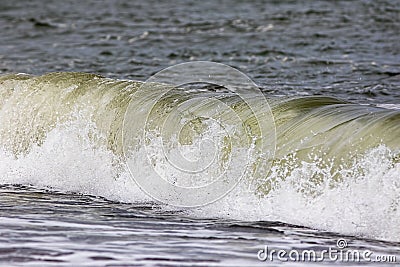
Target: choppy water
point(91, 231)
point(67, 202)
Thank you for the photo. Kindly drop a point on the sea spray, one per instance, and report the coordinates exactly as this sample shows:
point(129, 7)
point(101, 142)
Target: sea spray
point(335, 168)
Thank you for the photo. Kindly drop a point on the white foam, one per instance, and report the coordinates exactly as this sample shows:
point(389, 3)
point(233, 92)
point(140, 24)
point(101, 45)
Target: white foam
point(366, 203)
point(67, 161)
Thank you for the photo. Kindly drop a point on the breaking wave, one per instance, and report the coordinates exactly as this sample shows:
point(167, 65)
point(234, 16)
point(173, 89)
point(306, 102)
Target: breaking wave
point(335, 165)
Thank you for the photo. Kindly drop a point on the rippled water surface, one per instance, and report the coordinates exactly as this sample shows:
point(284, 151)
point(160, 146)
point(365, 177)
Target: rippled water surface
point(345, 49)
point(41, 227)
point(342, 48)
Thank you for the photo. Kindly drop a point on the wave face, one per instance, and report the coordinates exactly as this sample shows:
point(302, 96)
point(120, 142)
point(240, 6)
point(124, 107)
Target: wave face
point(333, 159)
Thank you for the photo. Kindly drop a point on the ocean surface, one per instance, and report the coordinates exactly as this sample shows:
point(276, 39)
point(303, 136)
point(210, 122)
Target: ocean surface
point(323, 174)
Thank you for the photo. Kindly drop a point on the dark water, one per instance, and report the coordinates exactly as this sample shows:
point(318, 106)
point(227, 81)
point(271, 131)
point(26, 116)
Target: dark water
point(47, 228)
point(346, 49)
point(342, 48)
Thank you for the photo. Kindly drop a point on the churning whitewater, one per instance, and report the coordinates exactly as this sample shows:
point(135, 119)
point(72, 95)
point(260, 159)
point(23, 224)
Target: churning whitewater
point(316, 160)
